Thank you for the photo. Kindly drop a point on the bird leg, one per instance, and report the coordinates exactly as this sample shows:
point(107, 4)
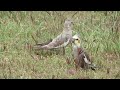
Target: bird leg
point(63, 50)
point(76, 64)
point(68, 60)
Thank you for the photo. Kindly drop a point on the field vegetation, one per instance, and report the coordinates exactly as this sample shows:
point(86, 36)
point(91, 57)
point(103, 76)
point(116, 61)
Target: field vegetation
point(20, 30)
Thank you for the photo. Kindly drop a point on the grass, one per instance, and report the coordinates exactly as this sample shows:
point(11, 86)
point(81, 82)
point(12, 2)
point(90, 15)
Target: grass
point(99, 33)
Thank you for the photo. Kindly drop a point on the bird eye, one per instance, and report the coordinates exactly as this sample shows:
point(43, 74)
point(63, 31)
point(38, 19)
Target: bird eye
point(76, 39)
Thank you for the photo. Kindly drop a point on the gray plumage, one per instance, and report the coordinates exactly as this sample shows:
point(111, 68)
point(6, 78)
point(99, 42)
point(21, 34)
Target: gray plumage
point(61, 40)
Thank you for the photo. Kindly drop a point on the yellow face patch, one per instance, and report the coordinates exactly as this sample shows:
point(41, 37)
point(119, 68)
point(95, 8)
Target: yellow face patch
point(77, 42)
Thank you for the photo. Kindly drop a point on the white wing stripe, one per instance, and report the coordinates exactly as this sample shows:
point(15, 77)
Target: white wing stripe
point(86, 60)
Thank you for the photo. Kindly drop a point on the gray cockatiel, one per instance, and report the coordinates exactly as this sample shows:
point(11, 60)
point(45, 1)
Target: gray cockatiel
point(80, 56)
point(61, 40)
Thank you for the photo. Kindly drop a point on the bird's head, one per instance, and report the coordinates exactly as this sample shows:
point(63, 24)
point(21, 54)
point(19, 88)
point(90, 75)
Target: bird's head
point(68, 23)
point(76, 40)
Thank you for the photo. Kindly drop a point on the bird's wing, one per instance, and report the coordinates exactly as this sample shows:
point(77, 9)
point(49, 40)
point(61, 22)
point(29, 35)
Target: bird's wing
point(88, 62)
point(59, 41)
point(64, 44)
point(84, 56)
